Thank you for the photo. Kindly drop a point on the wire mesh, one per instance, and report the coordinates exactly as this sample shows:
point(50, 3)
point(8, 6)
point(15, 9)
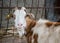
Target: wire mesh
point(10, 37)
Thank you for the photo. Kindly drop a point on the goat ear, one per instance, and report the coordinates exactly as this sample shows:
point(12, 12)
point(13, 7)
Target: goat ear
point(15, 8)
point(32, 15)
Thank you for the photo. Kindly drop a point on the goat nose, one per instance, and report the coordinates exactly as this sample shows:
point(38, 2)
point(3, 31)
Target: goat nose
point(20, 24)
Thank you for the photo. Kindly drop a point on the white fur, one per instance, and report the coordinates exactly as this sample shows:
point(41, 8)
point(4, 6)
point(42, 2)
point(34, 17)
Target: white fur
point(42, 21)
point(20, 19)
point(16, 13)
point(46, 34)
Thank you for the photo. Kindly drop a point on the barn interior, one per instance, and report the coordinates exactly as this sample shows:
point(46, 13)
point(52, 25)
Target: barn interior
point(46, 9)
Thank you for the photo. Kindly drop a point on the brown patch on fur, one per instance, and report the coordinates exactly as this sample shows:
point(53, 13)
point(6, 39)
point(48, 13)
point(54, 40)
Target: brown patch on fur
point(30, 15)
point(29, 34)
point(30, 24)
point(48, 24)
point(29, 37)
point(57, 23)
point(35, 37)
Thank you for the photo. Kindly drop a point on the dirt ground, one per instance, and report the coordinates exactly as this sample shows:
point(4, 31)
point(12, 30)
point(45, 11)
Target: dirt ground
point(13, 40)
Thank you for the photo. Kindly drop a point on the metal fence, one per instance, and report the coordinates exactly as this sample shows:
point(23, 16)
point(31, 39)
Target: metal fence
point(6, 7)
point(38, 7)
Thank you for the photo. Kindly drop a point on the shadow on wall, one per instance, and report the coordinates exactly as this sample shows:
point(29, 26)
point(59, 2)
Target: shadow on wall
point(52, 13)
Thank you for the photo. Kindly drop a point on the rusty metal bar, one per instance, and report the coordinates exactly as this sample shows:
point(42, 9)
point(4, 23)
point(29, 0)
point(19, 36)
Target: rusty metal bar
point(9, 12)
point(37, 10)
point(1, 18)
point(48, 8)
point(24, 3)
point(17, 3)
point(45, 9)
point(29, 7)
point(1, 15)
point(44, 14)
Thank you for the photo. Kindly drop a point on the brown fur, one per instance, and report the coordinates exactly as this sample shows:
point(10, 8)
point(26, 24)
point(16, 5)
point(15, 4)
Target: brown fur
point(30, 24)
point(48, 24)
point(35, 37)
point(57, 23)
point(30, 15)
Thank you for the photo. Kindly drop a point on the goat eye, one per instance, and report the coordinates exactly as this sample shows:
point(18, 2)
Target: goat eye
point(25, 10)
